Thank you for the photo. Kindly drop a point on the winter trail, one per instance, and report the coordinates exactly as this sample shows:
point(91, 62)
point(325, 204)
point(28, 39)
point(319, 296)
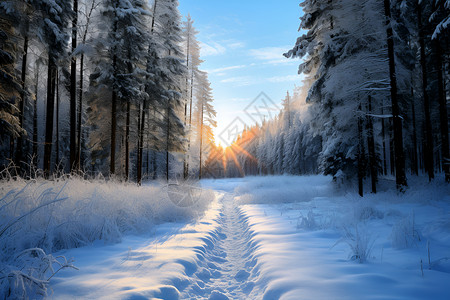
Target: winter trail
point(226, 262)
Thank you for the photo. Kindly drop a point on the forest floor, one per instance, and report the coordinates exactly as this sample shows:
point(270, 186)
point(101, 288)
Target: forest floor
point(279, 238)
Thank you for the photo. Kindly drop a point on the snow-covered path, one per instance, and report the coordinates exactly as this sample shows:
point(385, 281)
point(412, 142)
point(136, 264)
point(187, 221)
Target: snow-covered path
point(212, 258)
point(226, 261)
point(286, 238)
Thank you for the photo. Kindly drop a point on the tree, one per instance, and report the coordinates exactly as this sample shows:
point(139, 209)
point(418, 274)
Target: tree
point(193, 62)
point(441, 17)
point(55, 25)
point(10, 87)
point(206, 115)
point(172, 72)
point(120, 66)
point(73, 89)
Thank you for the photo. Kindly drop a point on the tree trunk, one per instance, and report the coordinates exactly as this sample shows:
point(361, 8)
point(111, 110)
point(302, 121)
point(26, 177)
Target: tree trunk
point(429, 153)
point(415, 166)
point(167, 140)
point(141, 143)
point(443, 114)
point(73, 91)
point(57, 124)
point(360, 156)
point(20, 146)
point(127, 143)
point(112, 167)
point(154, 166)
point(190, 121)
point(391, 151)
point(51, 85)
point(371, 149)
point(80, 114)
point(35, 127)
point(79, 151)
point(400, 175)
point(138, 156)
point(383, 136)
point(186, 156)
point(201, 144)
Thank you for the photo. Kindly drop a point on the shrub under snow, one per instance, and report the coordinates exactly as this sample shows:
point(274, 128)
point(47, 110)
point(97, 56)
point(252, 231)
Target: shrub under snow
point(39, 217)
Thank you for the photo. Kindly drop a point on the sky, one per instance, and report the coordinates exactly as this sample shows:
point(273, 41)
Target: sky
point(243, 42)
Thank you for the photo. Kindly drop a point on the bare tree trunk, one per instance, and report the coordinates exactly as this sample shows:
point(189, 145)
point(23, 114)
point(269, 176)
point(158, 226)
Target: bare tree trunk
point(201, 143)
point(80, 113)
point(112, 167)
point(371, 149)
point(20, 145)
point(190, 121)
point(73, 91)
point(127, 143)
point(360, 156)
point(35, 127)
point(443, 113)
point(400, 175)
point(186, 156)
point(415, 166)
point(383, 136)
point(57, 124)
point(141, 143)
point(391, 151)
point(51, 85)
point(167, 140)
point(79, 150)
point(429, 155)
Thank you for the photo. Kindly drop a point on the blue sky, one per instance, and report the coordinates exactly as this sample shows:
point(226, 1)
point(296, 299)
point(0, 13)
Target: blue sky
point(242, 46)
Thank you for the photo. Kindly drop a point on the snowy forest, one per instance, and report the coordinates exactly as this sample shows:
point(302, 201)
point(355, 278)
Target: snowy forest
point(114, 183)
point(374, 101)
point(101, 87)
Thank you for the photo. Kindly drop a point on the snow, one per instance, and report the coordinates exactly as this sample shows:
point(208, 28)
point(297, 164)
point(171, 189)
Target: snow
point(279, 237)
point(138, 267)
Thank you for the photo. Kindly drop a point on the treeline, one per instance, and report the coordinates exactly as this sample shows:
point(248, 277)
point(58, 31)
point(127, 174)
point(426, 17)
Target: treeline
point(284, 145)
point(101, 87)
point(377, 86)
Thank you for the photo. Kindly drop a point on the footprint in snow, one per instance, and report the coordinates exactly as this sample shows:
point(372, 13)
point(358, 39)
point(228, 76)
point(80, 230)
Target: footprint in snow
point(242, 275)
point(215, 295)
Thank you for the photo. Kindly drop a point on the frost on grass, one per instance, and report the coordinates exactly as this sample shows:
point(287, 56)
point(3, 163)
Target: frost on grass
point(405, 233)
point(27, 275)
point(360, 241)
point(39, 217)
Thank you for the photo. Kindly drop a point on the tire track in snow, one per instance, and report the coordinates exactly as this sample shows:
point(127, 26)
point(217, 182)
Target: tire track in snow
point(226, 264)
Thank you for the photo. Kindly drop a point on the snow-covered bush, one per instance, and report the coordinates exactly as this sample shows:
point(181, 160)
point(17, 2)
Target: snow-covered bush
point(74, 212)
point(39, 217)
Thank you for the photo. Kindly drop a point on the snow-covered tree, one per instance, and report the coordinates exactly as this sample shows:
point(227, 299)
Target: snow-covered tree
point(192, 51)
point(206, 117)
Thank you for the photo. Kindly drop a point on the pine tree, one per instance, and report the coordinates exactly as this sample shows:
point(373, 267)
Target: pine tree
point(193, 61)
point(55, 36)
point(206, 117)
point(120, 66)
point(173, 70)
point(10, 87)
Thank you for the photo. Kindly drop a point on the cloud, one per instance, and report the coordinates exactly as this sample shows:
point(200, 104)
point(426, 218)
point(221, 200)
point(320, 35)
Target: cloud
point(211, 49)
point(251, 80)
point(214, 47)
point(236, 45)
point(288, 78)
point(272, 55)
point(240, 80)
point(222, 71)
